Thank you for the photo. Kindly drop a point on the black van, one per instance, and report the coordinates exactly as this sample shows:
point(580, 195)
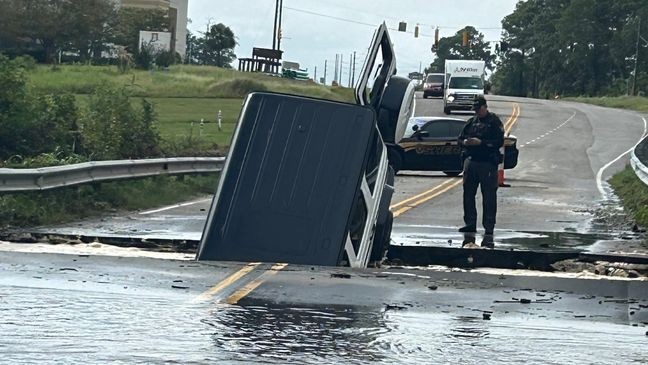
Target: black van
point(307, 180)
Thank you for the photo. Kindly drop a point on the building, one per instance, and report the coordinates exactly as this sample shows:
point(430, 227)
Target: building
point(177, 14)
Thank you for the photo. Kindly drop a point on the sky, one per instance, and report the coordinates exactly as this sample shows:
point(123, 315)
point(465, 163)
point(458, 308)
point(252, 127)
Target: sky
point(317, 30)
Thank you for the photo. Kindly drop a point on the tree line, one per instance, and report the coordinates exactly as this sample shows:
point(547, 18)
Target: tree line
point(89, 31)
point(573, 47)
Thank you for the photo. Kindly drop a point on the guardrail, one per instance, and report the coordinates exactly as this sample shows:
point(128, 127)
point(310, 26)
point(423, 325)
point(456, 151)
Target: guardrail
point(639, 160)
point(15, 180)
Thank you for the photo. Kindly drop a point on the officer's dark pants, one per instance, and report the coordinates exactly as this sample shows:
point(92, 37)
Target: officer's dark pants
point(485, 174)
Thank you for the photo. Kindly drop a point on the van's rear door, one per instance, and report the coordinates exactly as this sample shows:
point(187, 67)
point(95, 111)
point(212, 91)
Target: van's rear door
point(289, 182)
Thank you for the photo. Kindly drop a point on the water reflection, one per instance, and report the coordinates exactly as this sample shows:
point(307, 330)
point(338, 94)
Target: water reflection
point(471, 330)
point(300, 335)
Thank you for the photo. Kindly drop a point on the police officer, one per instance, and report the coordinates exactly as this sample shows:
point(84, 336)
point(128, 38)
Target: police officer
point(481, 140)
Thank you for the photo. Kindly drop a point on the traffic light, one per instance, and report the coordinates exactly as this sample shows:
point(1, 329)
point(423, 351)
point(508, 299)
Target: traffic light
point(416, 31)
point(279, 33)
point(465, 38)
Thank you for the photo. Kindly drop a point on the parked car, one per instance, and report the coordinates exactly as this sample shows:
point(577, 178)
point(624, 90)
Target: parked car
point(430, 144)
point(433, 85)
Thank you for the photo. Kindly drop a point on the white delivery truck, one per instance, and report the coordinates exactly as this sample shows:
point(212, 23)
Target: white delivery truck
point(464, 79)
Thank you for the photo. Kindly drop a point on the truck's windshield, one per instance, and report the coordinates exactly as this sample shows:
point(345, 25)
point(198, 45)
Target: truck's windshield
point(466, 83)
point(438, 79)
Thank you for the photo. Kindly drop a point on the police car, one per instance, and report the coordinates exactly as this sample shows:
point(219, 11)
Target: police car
point(430, 144)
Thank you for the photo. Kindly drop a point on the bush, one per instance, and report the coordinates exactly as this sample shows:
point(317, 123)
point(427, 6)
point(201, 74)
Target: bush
point(166, 58)
point(114, 129)
point(144, 57)
point(32, 124)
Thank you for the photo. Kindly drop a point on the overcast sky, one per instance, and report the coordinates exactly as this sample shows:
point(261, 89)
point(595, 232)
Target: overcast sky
point(317, 30)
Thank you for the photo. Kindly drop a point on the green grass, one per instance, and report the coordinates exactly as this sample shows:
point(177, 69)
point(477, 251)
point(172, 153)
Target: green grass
point(180, 118)
point(179, 122)
point(68, 204)
point(633, 193)
point(182, 96)
point(638, 103)
point(179, 81)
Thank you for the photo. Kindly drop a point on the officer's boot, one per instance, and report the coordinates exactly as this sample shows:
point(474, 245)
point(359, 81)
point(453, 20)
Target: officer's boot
point(469, 238)
point(488, 241)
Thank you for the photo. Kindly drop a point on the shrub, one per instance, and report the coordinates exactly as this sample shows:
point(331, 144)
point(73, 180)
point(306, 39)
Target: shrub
point(114, 129)
point(32, 124)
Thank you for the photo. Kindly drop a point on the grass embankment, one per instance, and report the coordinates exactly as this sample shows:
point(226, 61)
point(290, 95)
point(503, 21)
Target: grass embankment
point(633, 193)
point(61, 205)
point(179, 81)
point(638, 103)
point(182, 96)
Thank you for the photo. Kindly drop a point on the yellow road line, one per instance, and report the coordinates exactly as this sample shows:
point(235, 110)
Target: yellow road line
point(512, 119)
point(397, 205)
point(454, 182)
point(226, 282)
point(247, 289)
point(412, 202)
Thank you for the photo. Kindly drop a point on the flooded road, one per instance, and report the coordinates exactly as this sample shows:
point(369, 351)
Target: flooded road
point(84, 308)
point(94, 328)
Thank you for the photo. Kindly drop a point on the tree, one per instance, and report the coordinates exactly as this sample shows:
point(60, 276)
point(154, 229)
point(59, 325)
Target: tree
point(217, 46)
point(452, 48)
point(571, 47)
point(89, 25)
point(43, 28)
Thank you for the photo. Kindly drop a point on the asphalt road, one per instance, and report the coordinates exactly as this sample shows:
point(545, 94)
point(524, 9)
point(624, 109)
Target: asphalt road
point(94, 303)
point(558, 197)
point(89, 307)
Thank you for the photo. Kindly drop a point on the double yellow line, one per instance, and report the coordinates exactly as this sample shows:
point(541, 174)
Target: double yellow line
point(510, 122)
point(412, 202)
point(233, 278)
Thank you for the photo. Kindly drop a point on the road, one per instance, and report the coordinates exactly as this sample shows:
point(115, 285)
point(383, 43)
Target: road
point(94, 308)
point(96, 303)
point(558, 197)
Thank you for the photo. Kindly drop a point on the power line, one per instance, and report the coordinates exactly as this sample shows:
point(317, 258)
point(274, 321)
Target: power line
point(374, 25)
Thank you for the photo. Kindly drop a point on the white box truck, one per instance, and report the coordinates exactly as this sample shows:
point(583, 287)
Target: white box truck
point(464, 79)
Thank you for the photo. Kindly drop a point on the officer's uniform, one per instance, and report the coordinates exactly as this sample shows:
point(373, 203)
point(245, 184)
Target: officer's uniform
point(480, 167)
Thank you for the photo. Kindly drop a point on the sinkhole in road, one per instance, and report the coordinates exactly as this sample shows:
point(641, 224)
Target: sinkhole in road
point(608, 243)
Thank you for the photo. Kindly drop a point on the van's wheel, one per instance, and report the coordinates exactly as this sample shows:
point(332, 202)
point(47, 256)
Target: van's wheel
point(382, 238)
point(447, 110)
point(395, 159)
point(452, 173)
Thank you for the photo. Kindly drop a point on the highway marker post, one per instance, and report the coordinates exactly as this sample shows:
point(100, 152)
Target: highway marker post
point(220, 118)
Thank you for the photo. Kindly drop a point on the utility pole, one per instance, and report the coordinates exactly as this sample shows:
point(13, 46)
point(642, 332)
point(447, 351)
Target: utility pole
point(634, 82)
point(335, 69)
point(341, 69)
point(325, 61)
point(274, 32)
point(353, 76)
point(350, 69)
point(315, 78)
point(280, 32)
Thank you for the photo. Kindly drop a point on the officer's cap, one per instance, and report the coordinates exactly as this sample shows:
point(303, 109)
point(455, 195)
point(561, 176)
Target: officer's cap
point(478, 102)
